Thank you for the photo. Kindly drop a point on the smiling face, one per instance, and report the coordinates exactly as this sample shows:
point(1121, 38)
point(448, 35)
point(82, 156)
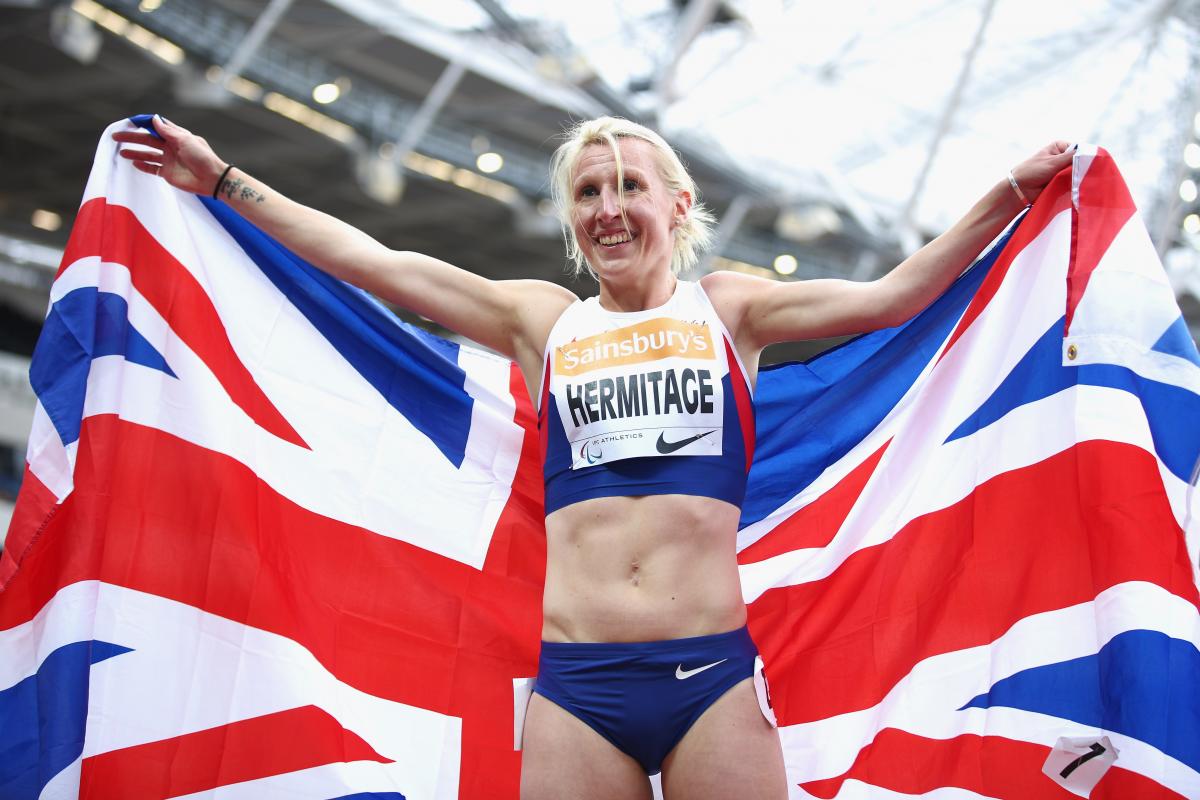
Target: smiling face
point(642, 238)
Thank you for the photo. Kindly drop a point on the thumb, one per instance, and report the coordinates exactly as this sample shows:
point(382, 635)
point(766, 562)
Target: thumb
point(160, 126)
point(1063, 149)
point(166, 129)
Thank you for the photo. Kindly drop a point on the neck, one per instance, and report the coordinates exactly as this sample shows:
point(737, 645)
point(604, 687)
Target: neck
point(653, 291)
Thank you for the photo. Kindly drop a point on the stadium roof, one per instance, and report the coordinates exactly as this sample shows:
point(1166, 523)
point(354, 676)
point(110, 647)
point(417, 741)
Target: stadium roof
point(841, 138)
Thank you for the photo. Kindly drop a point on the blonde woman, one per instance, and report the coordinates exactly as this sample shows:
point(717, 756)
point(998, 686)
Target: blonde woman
point(644, 396)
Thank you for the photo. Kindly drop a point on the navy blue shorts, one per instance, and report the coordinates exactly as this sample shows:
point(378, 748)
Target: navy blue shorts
point(644, 696)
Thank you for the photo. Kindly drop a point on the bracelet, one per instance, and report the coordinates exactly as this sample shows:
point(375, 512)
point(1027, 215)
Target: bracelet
point(221, 180)
point(1016, 187)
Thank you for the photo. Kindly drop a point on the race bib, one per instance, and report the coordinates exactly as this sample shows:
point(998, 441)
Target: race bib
point(650, 389)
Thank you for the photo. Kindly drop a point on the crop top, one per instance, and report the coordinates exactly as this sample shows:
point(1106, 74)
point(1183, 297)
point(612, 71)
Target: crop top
point(644, 402)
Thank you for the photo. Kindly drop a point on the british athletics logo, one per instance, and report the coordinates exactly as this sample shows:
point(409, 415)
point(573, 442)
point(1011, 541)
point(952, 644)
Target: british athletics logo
point(272, 541)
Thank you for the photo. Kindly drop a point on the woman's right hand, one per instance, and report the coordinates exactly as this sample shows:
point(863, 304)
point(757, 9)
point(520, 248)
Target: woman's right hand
point(181, 158)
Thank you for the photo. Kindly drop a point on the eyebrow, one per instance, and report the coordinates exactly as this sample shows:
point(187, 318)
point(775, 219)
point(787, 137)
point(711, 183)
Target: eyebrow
point(586, 176)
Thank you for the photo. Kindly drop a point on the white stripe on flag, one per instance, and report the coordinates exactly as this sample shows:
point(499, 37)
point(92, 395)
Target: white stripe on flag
point(857, 790)
point(1020, 438)
point(926, 701)
point(1031, 298)
point(190, 671)
point(406, 490)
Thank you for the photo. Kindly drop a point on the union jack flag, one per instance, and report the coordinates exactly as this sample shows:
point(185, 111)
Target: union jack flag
point(965, 555)
point(273, 543)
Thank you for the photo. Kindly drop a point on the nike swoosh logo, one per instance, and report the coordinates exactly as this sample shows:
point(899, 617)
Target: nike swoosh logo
point(664, 447)
point(684, 674)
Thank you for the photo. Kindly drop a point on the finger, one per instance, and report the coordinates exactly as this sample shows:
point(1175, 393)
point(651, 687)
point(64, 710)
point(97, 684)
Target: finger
point(159, 124)
point(148, 167)
point(1065, 155)
point(139, 153)
point(166, 131)
point(166, 124)
point(137, 137)
point(142, 155)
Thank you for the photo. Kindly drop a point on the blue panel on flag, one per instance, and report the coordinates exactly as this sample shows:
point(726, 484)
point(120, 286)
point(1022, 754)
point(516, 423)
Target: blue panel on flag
point(1177, 341)
point(416, 372)
point(1141, 684)
point(143, 121)
point(84, 324)
point(1171, 412)
point(1040, 373)
point(371, 796)
point(812, 414)
point(44, 718)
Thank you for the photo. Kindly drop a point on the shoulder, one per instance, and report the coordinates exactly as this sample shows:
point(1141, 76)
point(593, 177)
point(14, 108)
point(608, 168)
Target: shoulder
point(527, 296)
point(726, 286)
point(542, 291)
point(535, 307)
point(726, 283)
point(733, 294)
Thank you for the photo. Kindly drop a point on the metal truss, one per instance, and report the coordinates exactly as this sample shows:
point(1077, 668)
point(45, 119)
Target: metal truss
point(208, 33)
point(376, 115)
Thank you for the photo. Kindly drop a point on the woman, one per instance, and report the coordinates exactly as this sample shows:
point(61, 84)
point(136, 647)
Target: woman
point(644, 409)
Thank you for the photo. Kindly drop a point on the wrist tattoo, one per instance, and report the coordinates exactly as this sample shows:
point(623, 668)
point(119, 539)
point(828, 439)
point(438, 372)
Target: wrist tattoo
point(236, 188)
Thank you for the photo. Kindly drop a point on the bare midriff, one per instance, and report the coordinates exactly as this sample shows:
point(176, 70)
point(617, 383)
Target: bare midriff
point(640, 569)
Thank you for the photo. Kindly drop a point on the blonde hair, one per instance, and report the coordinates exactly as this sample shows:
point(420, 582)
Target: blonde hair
point(692, 235)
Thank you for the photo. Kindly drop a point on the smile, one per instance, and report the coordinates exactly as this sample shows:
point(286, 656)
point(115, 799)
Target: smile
point(612, 239)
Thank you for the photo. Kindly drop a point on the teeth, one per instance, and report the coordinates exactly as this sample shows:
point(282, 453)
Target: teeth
point(616, 238)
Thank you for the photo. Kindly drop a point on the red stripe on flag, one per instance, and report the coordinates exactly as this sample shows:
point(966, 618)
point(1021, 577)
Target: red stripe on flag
point(741, 395)
point(382, 615)
point(495, 629)
point(158, 514)
point(1024, 542)
point(1122, 784)
point(1054, 199)
point(543, 413)
point(34, 507)
point(988, 765)
point(817, 523)
point(991, 766)
point(115, 235)
point(246, 750)
point(1105, 205)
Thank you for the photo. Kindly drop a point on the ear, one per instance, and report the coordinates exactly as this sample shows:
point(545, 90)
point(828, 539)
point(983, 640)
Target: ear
point(683, 203)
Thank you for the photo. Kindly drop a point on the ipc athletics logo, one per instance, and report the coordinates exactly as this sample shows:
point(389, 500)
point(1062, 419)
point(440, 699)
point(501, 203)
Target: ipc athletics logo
point(591, 451)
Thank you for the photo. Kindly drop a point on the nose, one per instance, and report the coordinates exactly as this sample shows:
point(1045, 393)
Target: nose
point(610, 203)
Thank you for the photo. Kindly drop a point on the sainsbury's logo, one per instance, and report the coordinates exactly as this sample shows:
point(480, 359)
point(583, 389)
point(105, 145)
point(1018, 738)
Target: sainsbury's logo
point(635, 344)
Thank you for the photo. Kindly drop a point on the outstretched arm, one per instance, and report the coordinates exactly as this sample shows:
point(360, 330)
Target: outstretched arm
point(763, 312)
point(508, 316)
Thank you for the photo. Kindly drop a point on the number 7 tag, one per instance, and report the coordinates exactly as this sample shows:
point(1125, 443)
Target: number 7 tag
point(1077, 763)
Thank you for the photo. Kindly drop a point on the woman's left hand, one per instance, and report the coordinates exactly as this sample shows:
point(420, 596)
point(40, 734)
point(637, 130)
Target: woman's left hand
point(1035, 172)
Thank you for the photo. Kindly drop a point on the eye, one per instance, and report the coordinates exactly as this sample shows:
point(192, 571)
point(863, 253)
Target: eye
point(631, 185)
point(587, 191)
